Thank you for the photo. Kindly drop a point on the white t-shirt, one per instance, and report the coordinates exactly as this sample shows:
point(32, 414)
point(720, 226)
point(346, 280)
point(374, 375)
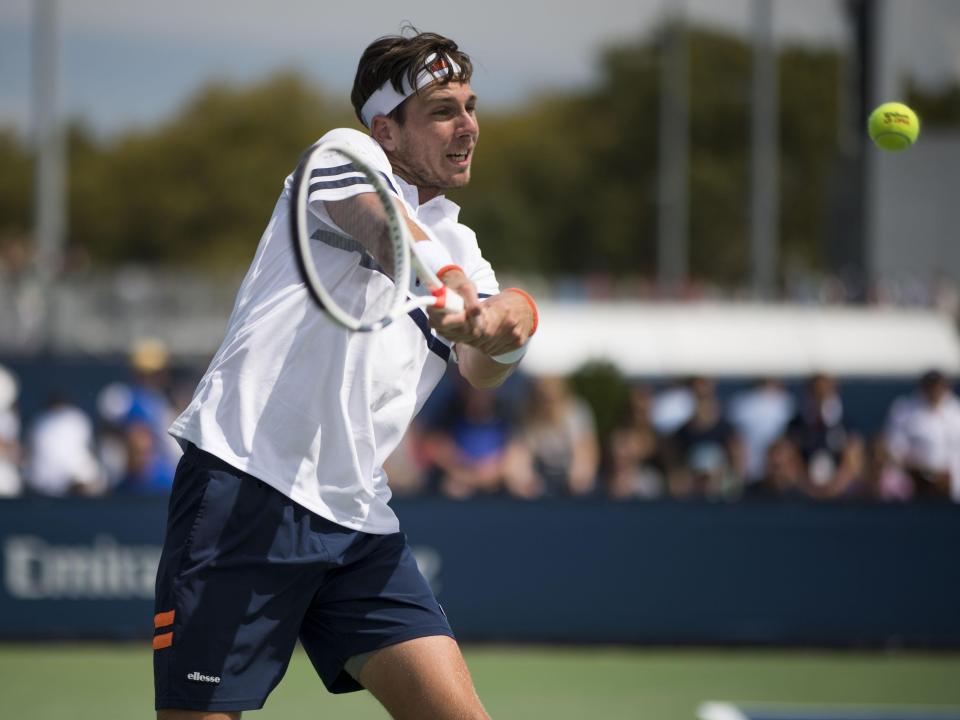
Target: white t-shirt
point(61, 452)
point(926, 435)
point(303, 404)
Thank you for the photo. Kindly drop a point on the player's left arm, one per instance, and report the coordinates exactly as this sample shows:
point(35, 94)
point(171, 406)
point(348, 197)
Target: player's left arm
point(490, 348)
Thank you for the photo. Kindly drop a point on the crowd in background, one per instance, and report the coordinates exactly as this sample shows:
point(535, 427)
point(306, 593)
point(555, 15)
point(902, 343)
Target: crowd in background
point(679, 441)
point(537, 439)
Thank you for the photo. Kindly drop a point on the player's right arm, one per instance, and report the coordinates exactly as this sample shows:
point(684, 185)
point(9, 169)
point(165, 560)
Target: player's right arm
point(362, 217)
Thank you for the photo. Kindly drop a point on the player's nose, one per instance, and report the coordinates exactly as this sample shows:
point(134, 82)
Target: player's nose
point(468, 124)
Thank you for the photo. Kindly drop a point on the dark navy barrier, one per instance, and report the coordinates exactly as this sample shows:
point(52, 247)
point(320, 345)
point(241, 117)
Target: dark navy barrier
point(558, 571)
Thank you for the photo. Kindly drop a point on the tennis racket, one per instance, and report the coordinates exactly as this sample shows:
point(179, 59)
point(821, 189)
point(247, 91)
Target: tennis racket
point(356, 254)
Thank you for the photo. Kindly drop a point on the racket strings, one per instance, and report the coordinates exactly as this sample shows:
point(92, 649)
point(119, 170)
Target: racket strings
point(355, 248)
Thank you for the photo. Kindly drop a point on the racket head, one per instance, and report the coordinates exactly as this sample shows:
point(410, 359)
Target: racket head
point(354, 261)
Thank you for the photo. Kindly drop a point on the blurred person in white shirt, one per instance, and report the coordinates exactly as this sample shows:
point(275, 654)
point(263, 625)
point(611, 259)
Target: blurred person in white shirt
point(11, 483)
point(60, 455)
point(673, 406)
point(760, 415)
point(923, 437)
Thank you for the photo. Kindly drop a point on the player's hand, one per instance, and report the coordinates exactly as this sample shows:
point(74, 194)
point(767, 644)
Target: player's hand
point(466, 326)
point(507, 324)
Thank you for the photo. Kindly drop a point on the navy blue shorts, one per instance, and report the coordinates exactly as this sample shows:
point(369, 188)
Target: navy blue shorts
point(246, 571)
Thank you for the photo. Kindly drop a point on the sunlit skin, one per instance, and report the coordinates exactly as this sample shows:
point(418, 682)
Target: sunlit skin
point(433, 148)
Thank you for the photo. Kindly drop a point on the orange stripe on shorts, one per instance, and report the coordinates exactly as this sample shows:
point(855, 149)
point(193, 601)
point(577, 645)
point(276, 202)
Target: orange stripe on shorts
point(163, 619)
point(163, 641)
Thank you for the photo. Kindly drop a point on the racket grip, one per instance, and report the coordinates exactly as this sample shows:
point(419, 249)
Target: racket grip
point(447, 300)
point(454, 301)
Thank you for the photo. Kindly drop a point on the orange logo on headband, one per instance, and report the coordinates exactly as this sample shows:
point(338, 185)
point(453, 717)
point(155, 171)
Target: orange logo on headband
point(438, 65)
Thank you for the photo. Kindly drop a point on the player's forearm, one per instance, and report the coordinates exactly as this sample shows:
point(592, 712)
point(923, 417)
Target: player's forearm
point(481, 370)
point(511, 319)
point(363, 218)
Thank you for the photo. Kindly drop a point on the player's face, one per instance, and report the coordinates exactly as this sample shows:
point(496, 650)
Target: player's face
point(433, 149)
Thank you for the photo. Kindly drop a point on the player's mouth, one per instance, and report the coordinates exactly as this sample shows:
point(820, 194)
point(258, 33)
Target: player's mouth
point(460, 159)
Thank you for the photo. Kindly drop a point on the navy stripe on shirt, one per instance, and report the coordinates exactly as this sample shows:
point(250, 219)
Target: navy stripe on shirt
point(342, 182)
point(357, 179)
point(338, 170)
point(435, 344)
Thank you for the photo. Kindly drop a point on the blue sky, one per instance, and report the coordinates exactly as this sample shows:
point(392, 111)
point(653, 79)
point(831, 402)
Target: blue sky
point(129, 64)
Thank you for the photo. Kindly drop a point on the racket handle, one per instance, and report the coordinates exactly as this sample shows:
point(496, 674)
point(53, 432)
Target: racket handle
point(447, 300)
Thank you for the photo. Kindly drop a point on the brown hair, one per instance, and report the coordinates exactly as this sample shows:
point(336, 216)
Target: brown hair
point(394, 57)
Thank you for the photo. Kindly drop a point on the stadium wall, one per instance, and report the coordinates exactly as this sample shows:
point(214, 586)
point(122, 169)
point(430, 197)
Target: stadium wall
point(582, 572)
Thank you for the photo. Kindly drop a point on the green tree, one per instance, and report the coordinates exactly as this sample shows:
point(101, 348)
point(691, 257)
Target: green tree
point(16, 185)
point(200, 188)
point(565, 185)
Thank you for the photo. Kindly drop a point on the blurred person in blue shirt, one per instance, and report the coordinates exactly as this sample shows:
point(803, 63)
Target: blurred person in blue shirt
point(141, 456)
point(470, 443)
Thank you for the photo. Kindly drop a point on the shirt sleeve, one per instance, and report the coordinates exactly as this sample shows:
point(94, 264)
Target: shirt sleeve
point(466, 252)
point(336, 178)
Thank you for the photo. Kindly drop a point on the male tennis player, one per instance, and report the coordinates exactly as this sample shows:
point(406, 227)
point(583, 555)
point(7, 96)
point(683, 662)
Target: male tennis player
point(279, 527)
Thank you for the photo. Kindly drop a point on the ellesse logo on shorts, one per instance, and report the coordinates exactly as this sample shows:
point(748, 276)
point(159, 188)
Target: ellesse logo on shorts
point(198, 677)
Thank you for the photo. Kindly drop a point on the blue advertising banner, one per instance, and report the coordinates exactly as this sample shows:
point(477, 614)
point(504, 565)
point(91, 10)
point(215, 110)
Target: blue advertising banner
point(584, 571)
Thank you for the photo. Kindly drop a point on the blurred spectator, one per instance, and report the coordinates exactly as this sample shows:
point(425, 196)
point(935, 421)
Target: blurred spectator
point(60, 453)
point(636, 456)
point(141, 457)
point(760, 416)
point(784, 475)
point(11, 483)
point(471, 444)
point(833, 454)
point(888, 481)
point(705, 455)
point(557, 453)
point(673, 406)
point(20, 293)
point(923, 437)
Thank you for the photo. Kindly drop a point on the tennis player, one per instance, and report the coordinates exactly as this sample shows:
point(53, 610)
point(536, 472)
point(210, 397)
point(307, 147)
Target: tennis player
point(279, 526)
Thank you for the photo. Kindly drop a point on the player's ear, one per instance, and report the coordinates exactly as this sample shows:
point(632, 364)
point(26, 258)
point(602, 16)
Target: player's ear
point(384, 131)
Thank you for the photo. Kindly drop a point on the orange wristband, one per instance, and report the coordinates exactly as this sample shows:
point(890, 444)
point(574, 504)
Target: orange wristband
point(531, 303)
point(447, 268)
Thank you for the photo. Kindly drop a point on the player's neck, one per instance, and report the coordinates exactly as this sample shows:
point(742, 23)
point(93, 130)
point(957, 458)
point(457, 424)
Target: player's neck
point(424, 193)
point(427, 194)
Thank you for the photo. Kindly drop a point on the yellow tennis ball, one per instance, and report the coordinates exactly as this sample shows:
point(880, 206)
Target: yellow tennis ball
point(893, 126)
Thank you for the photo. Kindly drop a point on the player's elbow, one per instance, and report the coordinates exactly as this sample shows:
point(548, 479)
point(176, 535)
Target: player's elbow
point(489, 380)
point(481, 371)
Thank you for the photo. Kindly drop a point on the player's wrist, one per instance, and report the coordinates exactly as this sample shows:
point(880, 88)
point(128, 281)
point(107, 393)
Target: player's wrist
point(449, 268)
point(533, 307)
point(514, 356)
point(435, 257)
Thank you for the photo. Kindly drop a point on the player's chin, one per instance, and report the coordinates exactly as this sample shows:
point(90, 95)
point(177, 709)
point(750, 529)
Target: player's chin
point(459, 178)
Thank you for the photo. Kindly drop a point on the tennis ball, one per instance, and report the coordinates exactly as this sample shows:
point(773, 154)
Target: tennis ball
point(893, 126)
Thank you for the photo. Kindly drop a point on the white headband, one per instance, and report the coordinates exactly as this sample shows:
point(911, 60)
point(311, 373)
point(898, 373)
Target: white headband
point(386, 98)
